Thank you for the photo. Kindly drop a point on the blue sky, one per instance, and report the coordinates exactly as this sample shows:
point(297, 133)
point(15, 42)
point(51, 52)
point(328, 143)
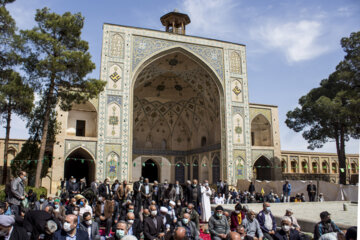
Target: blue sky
point(291, 45)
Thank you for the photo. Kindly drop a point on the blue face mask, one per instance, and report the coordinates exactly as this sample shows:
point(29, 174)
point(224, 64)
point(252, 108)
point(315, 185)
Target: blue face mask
point(42, 200)
point(81, 203)
point(268, 209)
point(120, 233)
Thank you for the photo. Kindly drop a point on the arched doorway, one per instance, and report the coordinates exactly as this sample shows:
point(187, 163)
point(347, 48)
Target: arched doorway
point(176, 107)
point(80, 164)
point(150, 170)
point(180, 172)
point(215, 170)
point(262, 169)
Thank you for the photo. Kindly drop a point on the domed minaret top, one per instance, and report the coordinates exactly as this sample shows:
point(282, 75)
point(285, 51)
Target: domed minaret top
point(175, 22)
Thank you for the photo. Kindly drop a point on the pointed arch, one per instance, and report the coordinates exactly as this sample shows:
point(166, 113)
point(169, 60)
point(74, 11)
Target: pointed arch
point(261, 131)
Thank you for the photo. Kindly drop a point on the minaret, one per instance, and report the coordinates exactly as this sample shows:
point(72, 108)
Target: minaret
point(175, 22)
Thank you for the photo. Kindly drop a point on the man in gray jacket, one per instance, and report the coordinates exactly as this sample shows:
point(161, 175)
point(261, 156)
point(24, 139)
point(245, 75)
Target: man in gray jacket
point(252, 226)
point(17, 192)
point(218, 225)
point(192, 232)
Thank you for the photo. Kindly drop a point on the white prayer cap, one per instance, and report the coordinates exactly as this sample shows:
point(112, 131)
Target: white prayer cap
point(289, 210)
point(172, 203)
point(163, 209)
point(6, 220)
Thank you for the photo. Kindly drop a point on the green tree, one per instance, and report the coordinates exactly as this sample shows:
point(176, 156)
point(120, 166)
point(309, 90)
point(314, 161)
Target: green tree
point(18, 99)
point(15, 96)
point(332, 111)
point(58, 66)
point(27, 158)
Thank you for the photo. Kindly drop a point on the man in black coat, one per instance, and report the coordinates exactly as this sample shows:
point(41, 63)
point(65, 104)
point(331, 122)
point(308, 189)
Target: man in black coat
point(70, 230)
point(195, 195)
point(104, 189)
point(156, 192)
point(311, 189)
point(36, 222)
point(251, 188)
point(72, 187)
point(286, 232)
point(134, 225)
point(10, 230)
point(146, 193)
point(187, 192)
point(137, 193)
point(153, 226)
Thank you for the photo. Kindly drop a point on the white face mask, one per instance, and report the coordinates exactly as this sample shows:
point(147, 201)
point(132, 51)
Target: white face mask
point(285, 228)
point(67, 227)
point(89, 222)
point(75, 212)
point(130, 221)
point(153, 213)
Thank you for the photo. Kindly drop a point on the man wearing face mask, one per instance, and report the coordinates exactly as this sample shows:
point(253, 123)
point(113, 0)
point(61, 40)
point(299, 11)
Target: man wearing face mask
point(129, 209)
point(10, 231)
point(70, 207)
point(163, 191)
point(156, 191)
point(168, 222)
point(194, 216)
point(267, 221)
point(83, 204)
point(133, 225)
point(123, 191)
point(153, 226)
point(137, 193)
point(236, 217)
point(191, 231)
point(72, 187)
point(179, 194)
point(218, 225)
point(105, 190)
point(195, 195)
point(286, 232)
point(17, 192)
point(294, 223)
point(205, 202)
point(121, 231)
point(42, 203)
point(146, 193)
point(89, 226)
point(70, 230)
point(325, 225)
point(252, 226)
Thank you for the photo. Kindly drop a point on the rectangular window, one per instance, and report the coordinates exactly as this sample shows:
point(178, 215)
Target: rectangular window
point(252, 138)
point(80, 128)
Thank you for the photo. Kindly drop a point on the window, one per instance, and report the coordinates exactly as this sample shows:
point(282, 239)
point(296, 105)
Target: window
point(203, 141)
point(283, 166)
point(324, 167)
point(314, 167)
point(293, 166)
point(334, 168)
point(252, 138)
point(80, 128)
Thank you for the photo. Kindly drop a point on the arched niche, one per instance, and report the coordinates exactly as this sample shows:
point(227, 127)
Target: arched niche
point(80, 164)
point(82, 120)
point(261, 131)
point(262, 169)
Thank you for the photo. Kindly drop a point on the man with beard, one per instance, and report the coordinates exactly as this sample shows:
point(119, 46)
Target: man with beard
point(8, 229)
point(218, 225)
point(41, 223)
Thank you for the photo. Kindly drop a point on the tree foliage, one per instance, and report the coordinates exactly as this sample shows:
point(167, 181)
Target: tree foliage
point(332, 111)
point(58, 65)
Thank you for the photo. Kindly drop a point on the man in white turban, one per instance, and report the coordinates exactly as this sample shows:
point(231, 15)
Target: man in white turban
point(9, 231)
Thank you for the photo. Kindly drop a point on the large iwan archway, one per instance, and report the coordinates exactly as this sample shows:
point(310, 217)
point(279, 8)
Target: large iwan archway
point(177, 109)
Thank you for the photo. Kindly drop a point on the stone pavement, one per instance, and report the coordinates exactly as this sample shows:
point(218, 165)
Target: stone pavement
point(308, 213)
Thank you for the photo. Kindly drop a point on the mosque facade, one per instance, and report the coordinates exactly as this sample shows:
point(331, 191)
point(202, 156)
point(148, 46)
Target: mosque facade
point(175, 107)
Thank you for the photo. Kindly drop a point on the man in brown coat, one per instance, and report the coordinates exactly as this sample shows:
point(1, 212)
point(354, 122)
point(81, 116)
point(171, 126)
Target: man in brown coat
point(123, 191)
point(104, 210)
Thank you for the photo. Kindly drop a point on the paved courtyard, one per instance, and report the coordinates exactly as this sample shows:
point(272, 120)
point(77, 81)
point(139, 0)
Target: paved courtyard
point(308, 213)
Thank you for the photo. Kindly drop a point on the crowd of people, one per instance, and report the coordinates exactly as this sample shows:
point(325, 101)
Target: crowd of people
point(149, 211)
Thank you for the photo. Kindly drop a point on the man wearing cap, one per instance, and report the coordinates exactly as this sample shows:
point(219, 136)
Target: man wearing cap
point(171, 211)
point(311, 189)
point(294, 223)
point(218, 225)
point(325, 225)
point(17, 192)
point(168, 222)
point(286, 232)
point(9, 231)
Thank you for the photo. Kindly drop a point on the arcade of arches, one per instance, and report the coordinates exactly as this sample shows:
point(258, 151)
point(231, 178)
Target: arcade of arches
point(176, 113)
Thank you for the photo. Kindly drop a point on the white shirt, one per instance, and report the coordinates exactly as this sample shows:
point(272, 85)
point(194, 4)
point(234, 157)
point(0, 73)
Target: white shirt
point(89, 231)
point(219, 200)
point(147, 189)
point(268, 222)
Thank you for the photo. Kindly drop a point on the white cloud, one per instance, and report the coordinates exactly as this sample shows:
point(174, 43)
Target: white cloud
point(210, 17)
point(23, 11)
point(298, 40)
